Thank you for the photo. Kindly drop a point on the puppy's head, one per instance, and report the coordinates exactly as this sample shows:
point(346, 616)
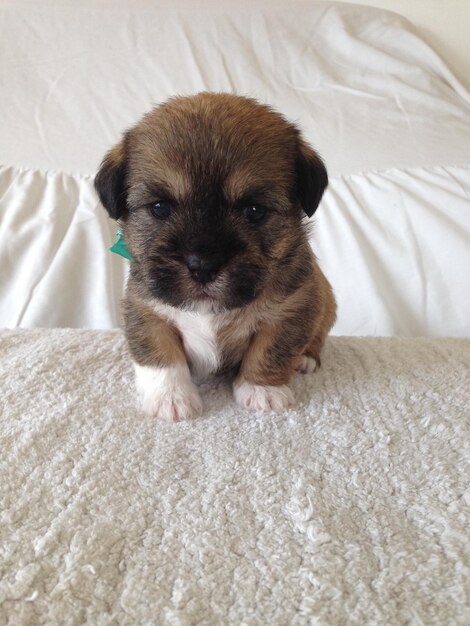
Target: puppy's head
point(210, 190)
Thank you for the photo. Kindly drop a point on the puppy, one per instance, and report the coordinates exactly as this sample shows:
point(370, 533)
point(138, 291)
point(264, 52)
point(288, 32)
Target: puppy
point(210, 192)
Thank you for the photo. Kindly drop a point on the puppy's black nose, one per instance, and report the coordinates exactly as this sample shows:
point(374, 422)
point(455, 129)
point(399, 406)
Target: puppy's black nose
point(203, 269)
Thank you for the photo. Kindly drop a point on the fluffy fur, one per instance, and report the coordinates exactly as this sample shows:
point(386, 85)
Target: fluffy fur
point(211, 191)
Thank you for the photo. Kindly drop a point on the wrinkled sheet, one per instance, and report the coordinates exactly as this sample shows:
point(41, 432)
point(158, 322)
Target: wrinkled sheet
point(387, 115)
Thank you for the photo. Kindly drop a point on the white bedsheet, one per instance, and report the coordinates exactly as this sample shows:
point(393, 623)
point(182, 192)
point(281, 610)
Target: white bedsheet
point(390, 119)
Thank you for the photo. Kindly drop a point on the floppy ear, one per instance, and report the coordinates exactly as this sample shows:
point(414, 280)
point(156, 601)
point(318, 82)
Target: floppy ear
point(312, 178)
point(111, 181)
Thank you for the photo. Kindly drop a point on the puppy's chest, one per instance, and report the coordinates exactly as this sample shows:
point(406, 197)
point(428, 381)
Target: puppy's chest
point(199, 334)
point(209, 342)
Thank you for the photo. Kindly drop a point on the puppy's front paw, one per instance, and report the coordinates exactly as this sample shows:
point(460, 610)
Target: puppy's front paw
point(167, 393)
point(173, 405)
point(262, 398)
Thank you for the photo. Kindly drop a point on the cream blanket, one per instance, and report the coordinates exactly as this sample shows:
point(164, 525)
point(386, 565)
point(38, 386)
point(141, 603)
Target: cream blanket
point(351, 509)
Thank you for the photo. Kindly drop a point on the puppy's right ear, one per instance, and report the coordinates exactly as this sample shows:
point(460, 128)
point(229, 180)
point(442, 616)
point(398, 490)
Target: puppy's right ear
point(312, 178)
point(111, 181)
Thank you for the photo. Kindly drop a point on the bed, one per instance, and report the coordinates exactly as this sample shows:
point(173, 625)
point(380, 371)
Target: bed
point(352, 508)
point(389, 118)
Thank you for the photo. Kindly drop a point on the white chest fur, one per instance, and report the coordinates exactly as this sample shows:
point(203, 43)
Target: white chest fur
point(199, 334)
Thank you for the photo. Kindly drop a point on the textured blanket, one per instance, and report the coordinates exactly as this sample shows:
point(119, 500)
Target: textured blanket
point(352, 508)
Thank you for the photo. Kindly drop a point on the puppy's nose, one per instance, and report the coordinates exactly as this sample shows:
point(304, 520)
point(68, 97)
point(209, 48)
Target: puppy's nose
point(203, 269)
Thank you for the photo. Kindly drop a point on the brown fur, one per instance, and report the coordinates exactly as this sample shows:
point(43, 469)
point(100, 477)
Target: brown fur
point(209, 156)
point(152, 338)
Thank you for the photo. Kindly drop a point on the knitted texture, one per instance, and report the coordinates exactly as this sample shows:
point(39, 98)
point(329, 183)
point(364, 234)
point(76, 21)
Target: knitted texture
point(350, 509)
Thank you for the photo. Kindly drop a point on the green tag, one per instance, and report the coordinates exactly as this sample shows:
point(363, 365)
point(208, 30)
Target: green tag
point(120, 247)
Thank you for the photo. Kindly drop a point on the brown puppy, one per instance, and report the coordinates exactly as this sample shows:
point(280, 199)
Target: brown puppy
point(210, 191)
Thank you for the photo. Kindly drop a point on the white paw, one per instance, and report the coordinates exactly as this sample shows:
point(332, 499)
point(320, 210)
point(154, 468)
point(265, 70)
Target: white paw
point(167, 393)
point(306, 365)
point(174, 405)
point(262, 398)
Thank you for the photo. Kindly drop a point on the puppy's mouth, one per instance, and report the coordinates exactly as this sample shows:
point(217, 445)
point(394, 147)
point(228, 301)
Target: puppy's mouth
point(210, 295)
point(231, 289)
point(213, 289)
point(232, 286)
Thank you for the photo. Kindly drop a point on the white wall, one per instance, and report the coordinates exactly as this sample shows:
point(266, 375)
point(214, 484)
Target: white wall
point(444, 24)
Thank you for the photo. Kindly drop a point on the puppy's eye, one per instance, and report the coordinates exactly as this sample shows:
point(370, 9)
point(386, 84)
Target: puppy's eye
point(254, 213)
point(161, 209)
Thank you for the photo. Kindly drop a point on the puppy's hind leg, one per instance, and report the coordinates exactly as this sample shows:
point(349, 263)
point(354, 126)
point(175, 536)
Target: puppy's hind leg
point(310, 359)
point(306, 364)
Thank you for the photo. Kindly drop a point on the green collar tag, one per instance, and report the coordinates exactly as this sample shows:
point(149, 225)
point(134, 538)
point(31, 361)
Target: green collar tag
point(120, 247)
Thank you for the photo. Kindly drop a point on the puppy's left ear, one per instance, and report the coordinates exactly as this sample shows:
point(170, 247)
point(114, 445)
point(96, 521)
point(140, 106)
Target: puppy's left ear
point(312, 179)
point(111, 181)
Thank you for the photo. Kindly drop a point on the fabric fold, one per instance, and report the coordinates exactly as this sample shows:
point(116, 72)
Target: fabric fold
point(393, 244)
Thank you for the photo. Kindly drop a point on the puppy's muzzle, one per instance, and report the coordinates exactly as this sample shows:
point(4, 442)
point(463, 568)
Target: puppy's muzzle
point(203, 269)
